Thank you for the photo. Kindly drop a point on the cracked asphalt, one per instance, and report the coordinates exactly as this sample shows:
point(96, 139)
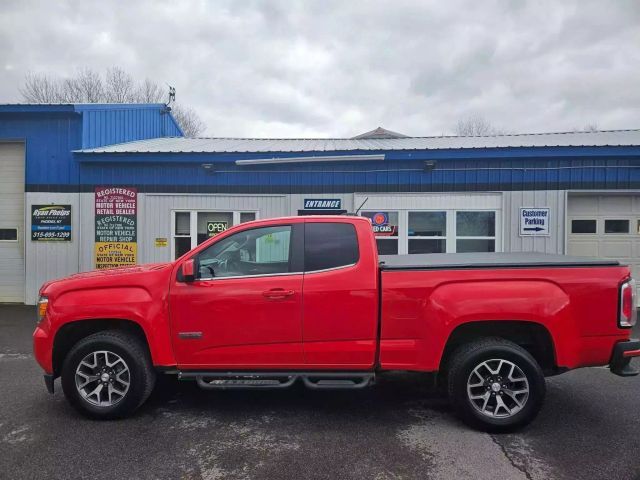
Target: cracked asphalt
point(401, 428)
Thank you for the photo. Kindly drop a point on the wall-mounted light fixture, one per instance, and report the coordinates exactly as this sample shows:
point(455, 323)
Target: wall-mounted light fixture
point(429, 165)
point(208, 168)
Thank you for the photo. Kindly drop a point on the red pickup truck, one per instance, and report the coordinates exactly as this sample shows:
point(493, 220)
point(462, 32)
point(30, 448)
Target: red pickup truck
point(273, 302)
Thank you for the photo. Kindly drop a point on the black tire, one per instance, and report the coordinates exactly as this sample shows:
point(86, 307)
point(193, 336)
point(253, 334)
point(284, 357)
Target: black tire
point(461, 366)
point(136, 357)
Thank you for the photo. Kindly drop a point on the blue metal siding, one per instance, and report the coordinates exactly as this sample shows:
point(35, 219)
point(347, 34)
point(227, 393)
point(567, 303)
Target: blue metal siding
point(396, 175)
point(49, 139)
point(52, 132)
point(108, 126)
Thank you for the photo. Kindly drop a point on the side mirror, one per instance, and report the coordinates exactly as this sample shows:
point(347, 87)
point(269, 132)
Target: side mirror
point(188, 270)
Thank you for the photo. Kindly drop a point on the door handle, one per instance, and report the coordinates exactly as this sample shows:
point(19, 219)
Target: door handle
point(276, 293)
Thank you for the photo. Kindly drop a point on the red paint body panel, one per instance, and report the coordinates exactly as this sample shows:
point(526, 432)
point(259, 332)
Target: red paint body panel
point(578, 306)
point(331, 319)
point(341, 309)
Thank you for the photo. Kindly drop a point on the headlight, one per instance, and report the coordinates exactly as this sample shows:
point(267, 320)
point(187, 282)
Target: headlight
point(43, 303)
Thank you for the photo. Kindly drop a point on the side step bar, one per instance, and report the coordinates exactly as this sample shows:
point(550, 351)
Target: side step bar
point(271, 380)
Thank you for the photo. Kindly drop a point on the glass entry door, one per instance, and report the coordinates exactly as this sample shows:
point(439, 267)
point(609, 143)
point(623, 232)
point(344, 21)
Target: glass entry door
point(192, 227)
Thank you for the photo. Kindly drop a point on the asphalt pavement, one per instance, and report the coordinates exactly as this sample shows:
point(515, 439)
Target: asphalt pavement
point(589, 428)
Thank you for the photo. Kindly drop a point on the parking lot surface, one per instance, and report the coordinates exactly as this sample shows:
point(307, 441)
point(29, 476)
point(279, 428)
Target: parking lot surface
point(401, 428)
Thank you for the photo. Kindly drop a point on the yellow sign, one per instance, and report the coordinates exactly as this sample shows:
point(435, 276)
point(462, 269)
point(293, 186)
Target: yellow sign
point(115, 254)
point(161, 242)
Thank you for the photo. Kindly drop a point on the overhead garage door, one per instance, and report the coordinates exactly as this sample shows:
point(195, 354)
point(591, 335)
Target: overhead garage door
point(606, 226)
point(12, 222)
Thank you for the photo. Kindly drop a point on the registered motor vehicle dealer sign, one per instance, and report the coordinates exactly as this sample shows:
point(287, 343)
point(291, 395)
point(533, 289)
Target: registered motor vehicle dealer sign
point(534, 222)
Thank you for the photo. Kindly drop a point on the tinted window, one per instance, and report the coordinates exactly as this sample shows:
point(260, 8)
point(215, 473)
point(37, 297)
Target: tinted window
point(475, 246)
point(427, 224)
point(387, 246)
point(259, 251)
point(583, 226)
point(427, 246)
point(329, 245)
point(8, 234)
point(616, 226)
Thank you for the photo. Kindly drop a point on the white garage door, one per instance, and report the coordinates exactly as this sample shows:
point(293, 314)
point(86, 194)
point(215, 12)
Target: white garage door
point(11, 222)
point(605, 226)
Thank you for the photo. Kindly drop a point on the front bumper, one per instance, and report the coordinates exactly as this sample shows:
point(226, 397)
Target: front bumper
point(623, 352)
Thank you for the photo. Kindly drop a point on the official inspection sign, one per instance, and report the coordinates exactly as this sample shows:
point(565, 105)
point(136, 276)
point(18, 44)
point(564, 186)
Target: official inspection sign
point(534, 222)
point(116, 232)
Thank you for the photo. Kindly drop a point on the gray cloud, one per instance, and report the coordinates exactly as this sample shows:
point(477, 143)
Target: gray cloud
point(335, 68)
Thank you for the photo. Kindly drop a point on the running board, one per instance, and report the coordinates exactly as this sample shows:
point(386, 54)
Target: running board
point(271, 380)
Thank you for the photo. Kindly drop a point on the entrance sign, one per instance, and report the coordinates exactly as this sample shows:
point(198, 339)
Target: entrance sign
point(51, 223)
point(322, 204)
point(534, 222)
point(116, 211)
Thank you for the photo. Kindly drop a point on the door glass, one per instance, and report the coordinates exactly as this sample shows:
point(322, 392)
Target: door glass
point(427, 224)
point(212, 223)
point(259, 251)
point(182, 245)
point(183, 223)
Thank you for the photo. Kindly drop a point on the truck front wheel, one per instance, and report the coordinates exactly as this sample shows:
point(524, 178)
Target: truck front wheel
point(495, 385)
point(107, 375)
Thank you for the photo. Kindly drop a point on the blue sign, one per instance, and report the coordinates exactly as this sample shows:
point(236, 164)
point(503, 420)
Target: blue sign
point(322, 204)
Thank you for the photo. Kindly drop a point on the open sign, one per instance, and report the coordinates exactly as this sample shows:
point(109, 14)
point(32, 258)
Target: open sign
point(214, 228)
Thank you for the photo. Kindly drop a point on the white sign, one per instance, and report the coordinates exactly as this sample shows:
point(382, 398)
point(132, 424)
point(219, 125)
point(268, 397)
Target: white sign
point(534, 222)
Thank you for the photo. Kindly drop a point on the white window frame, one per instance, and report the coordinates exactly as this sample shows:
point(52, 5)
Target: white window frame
point(193, 223)
point(420, 237)
point(476, 237)
point(452, 234)
point(17, 235)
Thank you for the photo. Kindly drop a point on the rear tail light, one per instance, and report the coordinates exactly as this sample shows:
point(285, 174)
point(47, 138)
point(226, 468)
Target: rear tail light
point(628, 313)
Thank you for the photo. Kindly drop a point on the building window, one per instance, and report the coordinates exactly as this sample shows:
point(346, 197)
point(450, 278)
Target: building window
point(8, 234)
point(616, 226)
point(427, 232)
point(475, 231)
point(385, 229)
point(192, 227)
point(583, 226)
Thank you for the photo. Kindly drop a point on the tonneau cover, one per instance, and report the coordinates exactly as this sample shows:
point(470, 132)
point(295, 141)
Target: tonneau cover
point(432, 261)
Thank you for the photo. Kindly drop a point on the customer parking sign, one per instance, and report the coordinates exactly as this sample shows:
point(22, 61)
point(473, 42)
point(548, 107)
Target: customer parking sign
point(534, 222)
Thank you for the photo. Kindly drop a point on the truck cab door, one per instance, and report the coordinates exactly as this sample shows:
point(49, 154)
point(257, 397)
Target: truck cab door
point(243, 308)
point(340, 299)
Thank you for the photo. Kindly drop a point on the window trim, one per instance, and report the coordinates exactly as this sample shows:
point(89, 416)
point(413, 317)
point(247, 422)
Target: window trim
point(571, 232)
point(17, 234)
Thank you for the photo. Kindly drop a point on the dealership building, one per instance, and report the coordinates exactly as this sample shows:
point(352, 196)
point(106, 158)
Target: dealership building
point(95, 186)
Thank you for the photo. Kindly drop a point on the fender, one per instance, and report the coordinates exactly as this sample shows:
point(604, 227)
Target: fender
point(429, 315)
point(132, 303)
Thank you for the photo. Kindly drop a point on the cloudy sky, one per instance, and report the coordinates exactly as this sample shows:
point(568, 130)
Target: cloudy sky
point(338, 68)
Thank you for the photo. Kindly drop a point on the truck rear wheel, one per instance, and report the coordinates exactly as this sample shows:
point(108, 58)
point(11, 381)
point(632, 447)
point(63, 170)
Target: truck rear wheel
point(107, 375)
point(495, 385)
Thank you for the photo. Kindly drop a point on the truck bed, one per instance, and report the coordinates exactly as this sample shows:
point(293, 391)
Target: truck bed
point(435, 261)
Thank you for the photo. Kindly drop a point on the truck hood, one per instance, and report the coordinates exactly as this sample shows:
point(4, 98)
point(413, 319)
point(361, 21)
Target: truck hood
point(106, 277)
